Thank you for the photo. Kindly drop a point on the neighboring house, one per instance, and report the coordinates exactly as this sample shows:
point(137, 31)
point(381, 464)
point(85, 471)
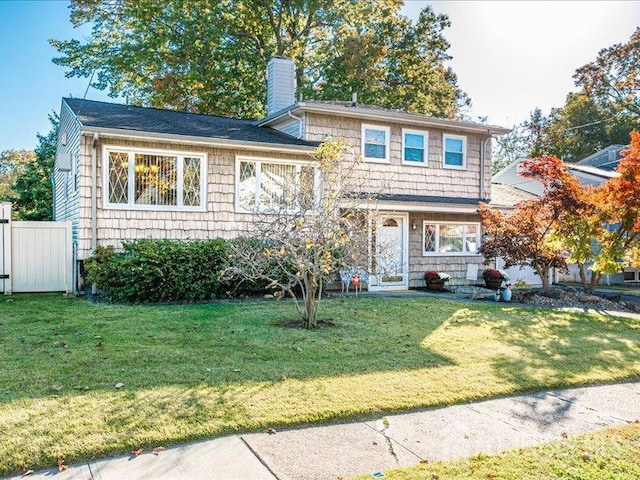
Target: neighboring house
point(167, 174)
point(592, 170)
point(606, 159)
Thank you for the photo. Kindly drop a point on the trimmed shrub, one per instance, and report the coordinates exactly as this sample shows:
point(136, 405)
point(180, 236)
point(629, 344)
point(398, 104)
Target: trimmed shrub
point(160, 270)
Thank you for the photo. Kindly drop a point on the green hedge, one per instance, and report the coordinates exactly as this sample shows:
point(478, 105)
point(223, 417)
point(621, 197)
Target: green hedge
point(160, 270)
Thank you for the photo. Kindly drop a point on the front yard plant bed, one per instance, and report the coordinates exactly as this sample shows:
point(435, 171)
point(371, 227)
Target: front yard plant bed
point(82, 380)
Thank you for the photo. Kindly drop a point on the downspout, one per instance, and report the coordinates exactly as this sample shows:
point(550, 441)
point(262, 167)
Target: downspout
point(94, 198)
point(300, 129)
point(483, 147)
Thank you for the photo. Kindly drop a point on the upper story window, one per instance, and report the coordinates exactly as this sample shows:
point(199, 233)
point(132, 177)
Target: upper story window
point(450, 238)
point(375, 143)
point(454, 151)
point(154, 180)
point(414, 147)
point(274, 186)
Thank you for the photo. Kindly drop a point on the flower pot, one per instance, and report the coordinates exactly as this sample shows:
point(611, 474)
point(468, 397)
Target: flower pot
point(506, 294)
point(493, 283)
point(437, 286)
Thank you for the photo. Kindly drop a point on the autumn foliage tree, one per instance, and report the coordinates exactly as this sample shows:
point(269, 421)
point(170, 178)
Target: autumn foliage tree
point(597, 228)
point(619, 209)
point(297, 246)
point(523, 238)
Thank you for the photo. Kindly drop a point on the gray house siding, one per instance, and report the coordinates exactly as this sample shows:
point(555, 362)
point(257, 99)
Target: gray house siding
point(67, 185)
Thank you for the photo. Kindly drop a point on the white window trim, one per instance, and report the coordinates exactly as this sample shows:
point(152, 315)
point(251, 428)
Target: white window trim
point(258, 161)
point(131, 151)
point(425, 134)
point(387, 131)
point(445, 136)
point(450, 254)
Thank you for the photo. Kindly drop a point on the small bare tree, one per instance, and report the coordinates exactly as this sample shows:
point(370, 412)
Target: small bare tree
point(308, 223)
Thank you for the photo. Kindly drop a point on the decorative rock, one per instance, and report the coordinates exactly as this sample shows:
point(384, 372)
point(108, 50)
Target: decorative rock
point(552, 293)
point(583, 297)
point(268, 296)
point(570, 289)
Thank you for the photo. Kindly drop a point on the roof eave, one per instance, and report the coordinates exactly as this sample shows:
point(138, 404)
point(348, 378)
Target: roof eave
point(196, 140)
point(398, 117)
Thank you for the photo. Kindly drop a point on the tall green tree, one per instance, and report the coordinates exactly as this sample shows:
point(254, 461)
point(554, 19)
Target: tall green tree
point(603, 112)
point(210, 56)
point(613, 78)
point(34, 192)
point(11, 164)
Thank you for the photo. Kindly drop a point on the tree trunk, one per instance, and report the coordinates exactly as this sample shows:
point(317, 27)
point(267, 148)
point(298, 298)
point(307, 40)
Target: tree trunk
point(310, 302)
point(544, 276)
point(595, 279)
point(583, 277)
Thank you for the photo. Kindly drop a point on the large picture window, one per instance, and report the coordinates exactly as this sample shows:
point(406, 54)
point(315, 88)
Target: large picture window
point(268, 185)
point(450, 238)
point(154, 180)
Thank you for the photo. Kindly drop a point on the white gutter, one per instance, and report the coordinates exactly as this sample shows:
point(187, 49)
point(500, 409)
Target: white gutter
point(384, 115)
point(483, 148)
point(300, 127)
point(94, 197)
point(193, 140)
point(393, 206)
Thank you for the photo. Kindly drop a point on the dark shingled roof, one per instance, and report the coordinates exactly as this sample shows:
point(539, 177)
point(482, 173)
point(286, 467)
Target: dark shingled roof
point(152, 120)
point(428, 199)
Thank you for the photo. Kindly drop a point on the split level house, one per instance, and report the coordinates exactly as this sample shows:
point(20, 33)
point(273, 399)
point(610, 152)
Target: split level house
point(110, 156)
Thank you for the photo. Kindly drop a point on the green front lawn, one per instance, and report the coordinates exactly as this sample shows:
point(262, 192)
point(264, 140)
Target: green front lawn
point(608, 454)
point(198, 371)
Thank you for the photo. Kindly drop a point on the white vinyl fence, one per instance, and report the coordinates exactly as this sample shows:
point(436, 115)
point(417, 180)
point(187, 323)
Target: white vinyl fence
point(36, 256)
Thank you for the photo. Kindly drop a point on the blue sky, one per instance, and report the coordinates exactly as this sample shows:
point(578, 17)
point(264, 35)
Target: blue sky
point(510, 57)
point(31, 85)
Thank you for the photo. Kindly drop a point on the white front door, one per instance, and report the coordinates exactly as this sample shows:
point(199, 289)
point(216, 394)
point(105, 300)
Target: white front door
point(391, 253)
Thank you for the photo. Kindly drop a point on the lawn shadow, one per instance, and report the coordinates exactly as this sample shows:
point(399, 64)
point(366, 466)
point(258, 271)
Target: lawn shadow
point(562, 348)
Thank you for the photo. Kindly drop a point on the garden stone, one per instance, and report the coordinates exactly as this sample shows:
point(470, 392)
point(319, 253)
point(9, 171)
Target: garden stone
point(553, 293)
point(589, 298)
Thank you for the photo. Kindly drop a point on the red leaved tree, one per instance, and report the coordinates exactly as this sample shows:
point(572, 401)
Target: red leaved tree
point(524, 238)
point(619, 210)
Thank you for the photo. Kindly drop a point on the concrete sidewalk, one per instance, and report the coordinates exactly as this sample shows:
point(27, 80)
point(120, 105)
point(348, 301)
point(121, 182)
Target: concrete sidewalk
point(342, 450)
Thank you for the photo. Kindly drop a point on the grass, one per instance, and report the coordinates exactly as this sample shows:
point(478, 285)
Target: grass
point(196, 371)
point(608, 454)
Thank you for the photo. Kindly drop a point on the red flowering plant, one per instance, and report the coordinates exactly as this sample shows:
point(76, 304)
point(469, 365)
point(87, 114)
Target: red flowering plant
point(492, 274)
point(436, 277)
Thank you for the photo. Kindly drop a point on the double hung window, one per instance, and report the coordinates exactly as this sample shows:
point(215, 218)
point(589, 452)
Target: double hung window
point(375, 143)
point(414, 147)
point(454, 151)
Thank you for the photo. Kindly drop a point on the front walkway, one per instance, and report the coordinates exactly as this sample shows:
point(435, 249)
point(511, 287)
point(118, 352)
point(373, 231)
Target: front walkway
point(341, 450)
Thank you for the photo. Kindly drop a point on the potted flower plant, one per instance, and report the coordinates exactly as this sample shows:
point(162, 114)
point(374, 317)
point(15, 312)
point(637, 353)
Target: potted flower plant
point(436, 280)
point(493, 278)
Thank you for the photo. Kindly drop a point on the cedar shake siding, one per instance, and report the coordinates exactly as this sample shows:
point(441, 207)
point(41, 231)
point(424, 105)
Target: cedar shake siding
point(220, 219)
point(420, 191)
point(398, 178)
